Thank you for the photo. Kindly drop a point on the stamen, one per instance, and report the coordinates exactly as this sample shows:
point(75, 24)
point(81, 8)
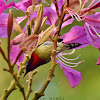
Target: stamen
point(93, 1)
point(73, 13)
point(89, 31)
point(68, 53)
point(70, 13)
point(77, 17)
point(68, 65)
point(69, 59)
point(95, 31)
point(65, 61)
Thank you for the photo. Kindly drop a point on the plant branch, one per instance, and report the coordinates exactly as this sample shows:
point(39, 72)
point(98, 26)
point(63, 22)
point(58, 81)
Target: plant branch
point(14, 82)
point(19, 85)
point(40, 93)
point(9, 90)
point(3, 54)
point(69, 17)
point(29, 90)
point(57, 9)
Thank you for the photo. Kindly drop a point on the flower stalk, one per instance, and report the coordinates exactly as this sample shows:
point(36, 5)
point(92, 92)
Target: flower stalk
point(40, 93)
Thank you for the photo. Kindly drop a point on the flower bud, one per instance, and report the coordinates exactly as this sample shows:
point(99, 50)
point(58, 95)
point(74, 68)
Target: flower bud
point(10, 22)
point(38, 20)
point(18, 39)
point(17, 27)
point(45, 35)
point(43, 23)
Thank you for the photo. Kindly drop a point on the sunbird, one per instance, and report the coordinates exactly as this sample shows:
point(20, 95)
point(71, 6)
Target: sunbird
point(42, 54)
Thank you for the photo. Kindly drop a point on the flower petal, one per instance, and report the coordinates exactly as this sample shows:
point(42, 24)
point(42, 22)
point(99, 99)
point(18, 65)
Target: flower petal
point(50, 13)
point(24, 4)
point(15, 50)
point(93, 20)
point(77, 34)
point(3, 25)
point(69, 21)
point(98, 62)
point(72, 75)
point(4, 6)
point(92, 36)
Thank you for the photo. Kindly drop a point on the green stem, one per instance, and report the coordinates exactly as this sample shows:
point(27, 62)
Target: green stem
point(40, 93)
point(9, 90)
point(3, 54)
point(51, 72)
point(29, 90)
point(15, 82)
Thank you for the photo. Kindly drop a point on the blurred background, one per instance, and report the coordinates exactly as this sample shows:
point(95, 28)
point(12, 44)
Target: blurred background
point(59, 88)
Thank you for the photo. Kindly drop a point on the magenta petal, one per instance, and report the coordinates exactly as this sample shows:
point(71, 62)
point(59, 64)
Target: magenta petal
point(20, 19)
point(14, 52)
point(3, 25)
point(33, 15)
point(93, 20)
point(4, 7)
point(51, 15)
point(2, 3)
point(72, 75)
point(98, 62)
point(69, 21)
point(92, 36)
point(77, 34)
point(24, 4)
point(59, 3)
point(96, 43)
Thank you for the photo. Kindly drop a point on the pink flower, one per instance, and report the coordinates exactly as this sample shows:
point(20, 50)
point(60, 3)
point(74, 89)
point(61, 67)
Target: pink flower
point(15, 50)
point(3, 25)
point(72, 75)
point(4, 6)
point(24, 4)
point(92, 28)
point(98, 62)
point(77, 34)
point(66, 65)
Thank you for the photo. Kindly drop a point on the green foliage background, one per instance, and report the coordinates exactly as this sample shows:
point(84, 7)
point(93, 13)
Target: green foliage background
point(59, 88)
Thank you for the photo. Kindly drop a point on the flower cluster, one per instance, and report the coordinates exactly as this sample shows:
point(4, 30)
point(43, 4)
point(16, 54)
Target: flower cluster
point(57, 16)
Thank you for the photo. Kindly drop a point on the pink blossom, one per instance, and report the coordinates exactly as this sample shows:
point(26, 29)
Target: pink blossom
point(4, 6)
point(98, 62)
point(77, 34)
point(3, 25)
point(72, 75)
point(24, 4)
point(66, 65)
point(15, 50)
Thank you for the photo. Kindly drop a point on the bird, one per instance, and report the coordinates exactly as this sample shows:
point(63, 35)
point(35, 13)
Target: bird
point(42, 54)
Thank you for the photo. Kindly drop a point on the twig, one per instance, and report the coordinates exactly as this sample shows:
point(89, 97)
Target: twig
point(19, 85)
point(69, 17)
point(3, 54)
point(40, 93)
point(14, 82)
point(51, 72)
point(9, 90)
point(57, 9)
point(29, 90)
